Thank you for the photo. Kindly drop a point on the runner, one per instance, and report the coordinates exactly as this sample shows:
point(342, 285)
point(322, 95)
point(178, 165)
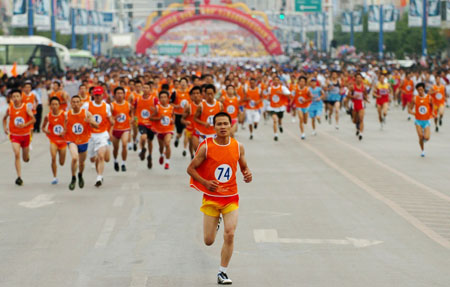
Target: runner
point(123, 119)
point(204, 115)
point(98, 148)
point(423, 104)
point(358, 95)
point(164, 125)
point(439, 96)
point(144, 107)
point(253, 104)
point(316, 108)
point(406, 90)
point(213, 172)
point(302, 101)
point(135, 96)
point(53, 127)
point(382, 93)
point(277, 96)
point(58, 92)
point(179, 99)
point(29, 98)
point(188, 118)
point(230, 104)
point(83, 94)
point(78, 132)
point(334, 97)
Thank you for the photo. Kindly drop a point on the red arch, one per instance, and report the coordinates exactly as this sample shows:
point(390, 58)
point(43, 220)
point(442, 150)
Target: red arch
point(209, 12)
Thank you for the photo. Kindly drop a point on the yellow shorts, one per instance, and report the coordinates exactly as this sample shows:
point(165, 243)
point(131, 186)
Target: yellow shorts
point(189, 134)
point(214, 206)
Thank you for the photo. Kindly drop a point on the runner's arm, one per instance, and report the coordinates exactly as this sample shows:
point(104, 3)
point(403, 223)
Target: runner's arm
point(186, 113)
point(44, 125)
point(5, 119)
point(90, 119)
point(33, 119)
point(411, 106)
point(197, 115)
point(243, 165)
point(200, 156)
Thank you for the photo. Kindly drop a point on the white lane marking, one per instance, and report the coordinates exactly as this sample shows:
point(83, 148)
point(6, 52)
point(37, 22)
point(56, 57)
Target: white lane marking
point(106, 232)
point(118, 202)
point(391, 169)
point(39, 201)
point(394, 206)
point(272, 213)
point(132, 186)
point(271, 236)
point(138, 279)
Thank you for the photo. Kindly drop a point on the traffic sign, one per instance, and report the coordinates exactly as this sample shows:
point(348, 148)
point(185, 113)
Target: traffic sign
point(308, 5)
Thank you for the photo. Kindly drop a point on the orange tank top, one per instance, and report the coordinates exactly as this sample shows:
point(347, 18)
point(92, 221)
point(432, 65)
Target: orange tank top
point(18, 116)
point(439, 95)
point(59, 95)
point(220, 165)
point(78, 129)
point(301, 98)
point(121, 115)
point(143, 110)
point(231, 106)
point(100, 115)
point(208, 113)
point(423, 108)
point(165, 124)
point(87, 99)
point(56, 126)
point(182, 98)
point(276, 97)
point(29, 100)
point(190, 123)
point(408, 87)
point(253, 96)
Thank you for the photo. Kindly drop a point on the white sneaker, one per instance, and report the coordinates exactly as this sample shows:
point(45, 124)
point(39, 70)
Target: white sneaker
point(303, 136)
point(422, 154)
point(313, 133)
point(336, 127)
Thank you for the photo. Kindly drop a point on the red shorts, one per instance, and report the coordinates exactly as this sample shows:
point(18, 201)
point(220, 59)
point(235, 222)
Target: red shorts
point(381, 101)
point(358, 105)
point(161, 136)
point(60, 144)
point(234, 121)
point(118, 134)
point(23, 140)
point(214, 206)
point(406, 99)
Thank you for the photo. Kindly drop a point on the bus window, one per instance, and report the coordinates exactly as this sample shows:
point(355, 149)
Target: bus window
point(20, 54)
point(2, 55)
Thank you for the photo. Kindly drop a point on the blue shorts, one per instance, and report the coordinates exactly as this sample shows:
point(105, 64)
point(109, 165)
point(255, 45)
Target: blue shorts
point(303, 110)
point(315, 111)
point(81, 147)
point(422, 124)
point(241, 109)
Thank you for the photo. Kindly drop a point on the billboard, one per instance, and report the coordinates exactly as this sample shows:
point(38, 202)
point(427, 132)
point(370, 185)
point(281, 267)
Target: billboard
point(357, 21)
point(388, 18)
point(415, 13)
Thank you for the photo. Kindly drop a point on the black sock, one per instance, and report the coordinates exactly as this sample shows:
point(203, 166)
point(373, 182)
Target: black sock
point(80, 175)
point(74, 178)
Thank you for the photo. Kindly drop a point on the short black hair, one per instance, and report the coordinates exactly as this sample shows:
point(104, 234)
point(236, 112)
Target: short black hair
point(302, 77)
point(420, 85)
point(58, 83)
point(165, 87)
point(195, 88)
point(119, 89)
point(230, 86)
point(55, 99)
point(15, 91)
point(210, 86)
point(164, 92)
point(221, 114)
point(76, 96)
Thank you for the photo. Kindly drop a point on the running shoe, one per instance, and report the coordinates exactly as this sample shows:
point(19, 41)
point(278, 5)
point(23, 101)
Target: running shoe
point(176, 142)
point(73, 183)
point(55, 181)
point(222, 279)
point(161, 160)
point(98, 183)
point(80, 180)
point(314, 133)
point(19, 181)
point(166, 166)
point(124, 168)
point(422, 154)
point(336, 127)
point(437, 129)
point(440, 122)
point(149, 161)
point(326, 117)
point(134, 146)
point(251, 137)
point(409, 118)
point(360, 137)
point(303, 136)
point(142, 153)
point(116, 166)
point(130, 146)
point(184, 153)
point(281, 129)
point(357, 133)
point(275, 138)
point(255, 126)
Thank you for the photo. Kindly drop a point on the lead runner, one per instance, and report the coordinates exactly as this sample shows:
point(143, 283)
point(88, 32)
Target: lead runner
point(213, 172)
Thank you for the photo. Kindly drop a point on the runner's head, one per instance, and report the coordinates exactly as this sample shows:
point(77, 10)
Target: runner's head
point(54, 104)
point(56, 86)
point(147, 88)
point(82, 89)
point(252, 83)
point(16, 97)
point(222, 124)
point(98, 94)
point(313, 82)
point(302, 81)
point(119, 94)
point(196, 94)
point(184, 83)
point(27, 86)
point(210, 91)
point(75, 103)
point(164, 97)
point(276, 80)
point(420, 87)
point(231, 92)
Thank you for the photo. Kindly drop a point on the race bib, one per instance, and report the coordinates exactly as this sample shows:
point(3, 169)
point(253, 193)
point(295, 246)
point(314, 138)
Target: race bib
point(423, 110)
point(98, 119)
point(231, 109)
point(19, 121)
point(252, 103)
point(121, 118)
point(165, 121)
point(77, 129)
point(183, 103)
point(211, 120)
point(439, 96)
point(275, 99)
point(223, 173)
point(57, 130)
point(300, 100)
point(145, 114)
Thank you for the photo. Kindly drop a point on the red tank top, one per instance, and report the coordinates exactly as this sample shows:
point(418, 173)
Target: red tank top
point(78, 129)
point(18, 116)
point(208, 113)
point(56, 126)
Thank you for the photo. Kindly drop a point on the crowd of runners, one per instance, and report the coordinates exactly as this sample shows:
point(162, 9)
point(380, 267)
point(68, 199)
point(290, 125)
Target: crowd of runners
point(198, 108)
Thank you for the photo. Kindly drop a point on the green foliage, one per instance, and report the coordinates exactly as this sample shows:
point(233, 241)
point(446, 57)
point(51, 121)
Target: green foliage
point(65, 40)
point(403, 41)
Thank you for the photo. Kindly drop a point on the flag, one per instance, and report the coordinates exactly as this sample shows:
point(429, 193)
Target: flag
point(14, 70)
point(183, 50)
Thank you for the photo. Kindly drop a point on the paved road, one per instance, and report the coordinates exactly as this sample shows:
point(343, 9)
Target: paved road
point(328, 211)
